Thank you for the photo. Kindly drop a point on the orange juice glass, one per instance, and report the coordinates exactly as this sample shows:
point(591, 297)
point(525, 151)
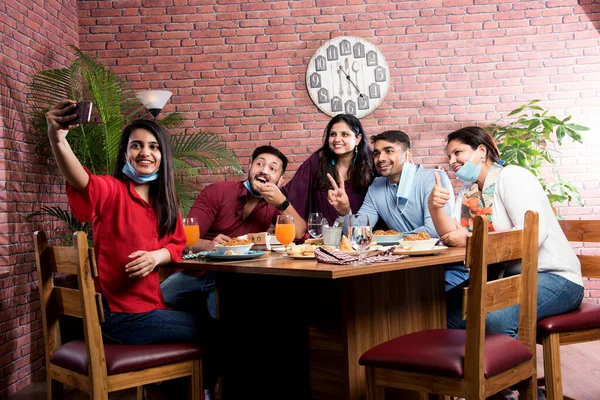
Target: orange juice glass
point(192, 231)
point(285, 230)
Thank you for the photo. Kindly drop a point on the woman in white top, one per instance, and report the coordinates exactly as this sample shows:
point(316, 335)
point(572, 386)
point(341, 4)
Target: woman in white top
point(504, 194)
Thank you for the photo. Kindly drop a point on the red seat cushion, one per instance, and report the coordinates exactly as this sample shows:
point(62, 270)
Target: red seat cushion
point(587, 316)
point(442, 352)
point(125, 357)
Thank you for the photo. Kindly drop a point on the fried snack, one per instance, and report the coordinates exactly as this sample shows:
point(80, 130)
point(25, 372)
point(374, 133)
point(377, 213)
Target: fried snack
point(389, 232)
point(231, 253)
point(418, 236)
point(237, 242)
point(294, 251)
point(345, 244)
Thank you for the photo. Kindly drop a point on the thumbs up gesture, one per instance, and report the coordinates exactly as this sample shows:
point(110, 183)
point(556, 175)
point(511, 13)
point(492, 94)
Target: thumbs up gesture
point(439, 196)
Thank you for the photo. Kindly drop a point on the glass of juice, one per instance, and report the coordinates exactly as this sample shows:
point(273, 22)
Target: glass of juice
point(285, 229)
point(192, 232)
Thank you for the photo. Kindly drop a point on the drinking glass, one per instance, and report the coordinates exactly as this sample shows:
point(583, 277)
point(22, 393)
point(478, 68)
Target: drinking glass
point(315, 227)
point(285, 230)
point(192, 232)
point(360, 234)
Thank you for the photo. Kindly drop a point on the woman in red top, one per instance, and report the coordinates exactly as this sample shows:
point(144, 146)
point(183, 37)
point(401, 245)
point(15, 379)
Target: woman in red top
point(136, 227)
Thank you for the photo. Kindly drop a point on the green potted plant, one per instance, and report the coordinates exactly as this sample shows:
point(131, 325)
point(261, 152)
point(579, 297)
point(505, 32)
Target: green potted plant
point(530, 140)
point(115, 105)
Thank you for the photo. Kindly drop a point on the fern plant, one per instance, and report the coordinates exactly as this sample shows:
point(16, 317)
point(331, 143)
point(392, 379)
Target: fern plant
point(530, 140)
point(115, 105)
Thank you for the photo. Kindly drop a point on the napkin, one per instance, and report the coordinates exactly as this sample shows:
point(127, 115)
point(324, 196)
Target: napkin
point(332, 256)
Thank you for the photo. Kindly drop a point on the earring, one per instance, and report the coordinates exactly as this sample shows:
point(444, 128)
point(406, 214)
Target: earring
point(355, 154)
point(332, 162)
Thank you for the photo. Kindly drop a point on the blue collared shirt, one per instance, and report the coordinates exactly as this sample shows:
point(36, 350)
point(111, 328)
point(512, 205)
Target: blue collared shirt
point(405, 215)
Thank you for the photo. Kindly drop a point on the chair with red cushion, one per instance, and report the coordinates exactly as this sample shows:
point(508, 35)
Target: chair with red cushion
point(581, 325)
point(471, 363)
point(88, 364)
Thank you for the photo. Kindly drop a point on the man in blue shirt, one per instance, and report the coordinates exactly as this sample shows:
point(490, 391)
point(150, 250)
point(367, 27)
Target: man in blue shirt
point(399, 196)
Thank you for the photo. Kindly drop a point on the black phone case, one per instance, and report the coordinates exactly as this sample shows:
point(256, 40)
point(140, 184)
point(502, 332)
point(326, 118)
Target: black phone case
point(84, 113)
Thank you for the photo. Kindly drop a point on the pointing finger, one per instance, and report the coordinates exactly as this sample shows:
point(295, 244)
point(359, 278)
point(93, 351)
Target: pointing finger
point(332, 181)
point(342, 184)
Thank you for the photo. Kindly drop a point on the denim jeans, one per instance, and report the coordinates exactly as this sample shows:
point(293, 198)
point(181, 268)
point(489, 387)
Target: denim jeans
point(455, 274)
point(183, 291)
point(167, 326)
point(556, 295)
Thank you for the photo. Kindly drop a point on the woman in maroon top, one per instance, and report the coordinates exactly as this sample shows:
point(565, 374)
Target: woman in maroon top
point(136, 227)
point(344, 155)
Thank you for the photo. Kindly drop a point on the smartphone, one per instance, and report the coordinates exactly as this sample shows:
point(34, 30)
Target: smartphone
point(84, 113)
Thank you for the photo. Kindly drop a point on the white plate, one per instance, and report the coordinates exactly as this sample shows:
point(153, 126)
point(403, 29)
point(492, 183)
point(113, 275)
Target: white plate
point(410, 252)
point(381, 239)
point(303, 257)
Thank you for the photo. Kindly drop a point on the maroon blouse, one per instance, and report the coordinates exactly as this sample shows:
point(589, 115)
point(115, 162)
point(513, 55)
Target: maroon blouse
point(305, 198)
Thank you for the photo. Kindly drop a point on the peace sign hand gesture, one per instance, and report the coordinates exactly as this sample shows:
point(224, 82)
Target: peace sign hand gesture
point(337, 196)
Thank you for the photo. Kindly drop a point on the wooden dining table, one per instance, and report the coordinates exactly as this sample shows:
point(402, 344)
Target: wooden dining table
point(295, 329)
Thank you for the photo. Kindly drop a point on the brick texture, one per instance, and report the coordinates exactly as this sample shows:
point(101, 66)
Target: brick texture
point(34, 36)
point(237, 68)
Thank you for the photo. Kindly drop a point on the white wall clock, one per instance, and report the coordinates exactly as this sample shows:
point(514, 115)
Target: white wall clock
point(349, 75)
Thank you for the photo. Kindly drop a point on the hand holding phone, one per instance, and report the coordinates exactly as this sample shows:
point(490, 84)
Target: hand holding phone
point(83, 110)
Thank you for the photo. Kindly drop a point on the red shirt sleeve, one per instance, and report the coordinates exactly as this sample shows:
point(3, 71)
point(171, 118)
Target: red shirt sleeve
point(175, 242)
point(89, 201)
point(206, 208)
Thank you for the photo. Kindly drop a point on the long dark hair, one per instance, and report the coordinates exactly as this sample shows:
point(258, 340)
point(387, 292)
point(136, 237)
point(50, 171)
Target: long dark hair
point(162, 190)
point(361, 169)
point(473, 136)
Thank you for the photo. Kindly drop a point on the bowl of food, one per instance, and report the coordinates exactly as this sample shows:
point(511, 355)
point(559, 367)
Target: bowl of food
point(419, 241)
point(386, 237)
point(235, 246)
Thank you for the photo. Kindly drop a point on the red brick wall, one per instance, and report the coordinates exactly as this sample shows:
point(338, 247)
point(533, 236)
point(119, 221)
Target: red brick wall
point(34, 35)
point(237, 68)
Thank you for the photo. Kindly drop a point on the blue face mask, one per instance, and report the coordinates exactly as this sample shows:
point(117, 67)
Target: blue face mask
point(249, 188)
point(135, 176)
point(406, 180)
point(469, 172)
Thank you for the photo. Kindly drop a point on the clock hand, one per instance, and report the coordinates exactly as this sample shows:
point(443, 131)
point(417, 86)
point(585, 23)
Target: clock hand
point(350, 81)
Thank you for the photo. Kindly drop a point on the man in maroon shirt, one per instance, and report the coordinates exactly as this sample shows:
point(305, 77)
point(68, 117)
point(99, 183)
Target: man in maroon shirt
point(229, 209)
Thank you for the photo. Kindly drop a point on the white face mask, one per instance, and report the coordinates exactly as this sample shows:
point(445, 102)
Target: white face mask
point(406, 180)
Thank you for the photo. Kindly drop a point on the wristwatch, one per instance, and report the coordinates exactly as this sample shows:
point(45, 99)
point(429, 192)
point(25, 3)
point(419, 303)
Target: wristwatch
point(283, 206)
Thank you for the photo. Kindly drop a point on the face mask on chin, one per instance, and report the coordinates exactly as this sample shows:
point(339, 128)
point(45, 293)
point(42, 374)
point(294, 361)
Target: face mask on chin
point(469, 172)
point(249, 189)
point(135, 176)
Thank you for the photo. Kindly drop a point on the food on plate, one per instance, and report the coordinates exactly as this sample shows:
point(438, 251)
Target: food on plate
point(237, 242)
point(345, 244)
point(231, 253)
point(418, 236)
point(314, 242)
point(381, 232)
point(301, 250)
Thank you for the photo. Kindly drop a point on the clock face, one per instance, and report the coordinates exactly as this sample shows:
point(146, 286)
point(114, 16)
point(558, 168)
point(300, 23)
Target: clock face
point(347, 75)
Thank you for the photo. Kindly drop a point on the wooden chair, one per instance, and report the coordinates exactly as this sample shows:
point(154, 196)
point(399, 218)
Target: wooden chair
point(471, 363)
point(88, 364)
point(582, 325)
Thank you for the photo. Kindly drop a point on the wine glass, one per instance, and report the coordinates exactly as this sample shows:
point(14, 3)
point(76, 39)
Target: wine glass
point(315, 227)
point(285, 229)
point(360, 234)
point(192, 232)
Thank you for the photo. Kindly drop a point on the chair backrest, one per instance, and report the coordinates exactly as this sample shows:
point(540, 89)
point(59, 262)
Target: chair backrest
point(485, 248)
point(82, 302)
point(584, 231)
